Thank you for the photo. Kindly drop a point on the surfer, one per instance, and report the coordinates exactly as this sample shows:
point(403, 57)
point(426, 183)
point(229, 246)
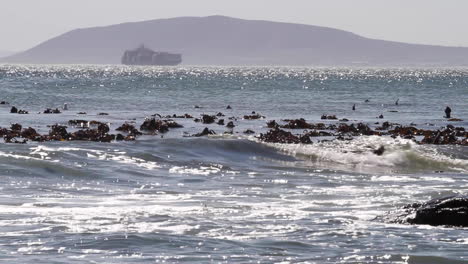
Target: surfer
point(448, 111)
point(354, 107)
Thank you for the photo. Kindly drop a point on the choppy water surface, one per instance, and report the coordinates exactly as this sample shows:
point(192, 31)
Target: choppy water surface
point(227, 198)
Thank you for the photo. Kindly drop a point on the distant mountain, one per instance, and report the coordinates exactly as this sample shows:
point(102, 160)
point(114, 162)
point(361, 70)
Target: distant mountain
point(4, 53)
point(218, 40)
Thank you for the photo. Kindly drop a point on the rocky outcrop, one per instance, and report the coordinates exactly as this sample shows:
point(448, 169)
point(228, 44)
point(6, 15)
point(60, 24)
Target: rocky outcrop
point(446, 211)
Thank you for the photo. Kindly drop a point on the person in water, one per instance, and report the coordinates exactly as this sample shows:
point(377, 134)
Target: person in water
point(354, 107)
point(448, 111)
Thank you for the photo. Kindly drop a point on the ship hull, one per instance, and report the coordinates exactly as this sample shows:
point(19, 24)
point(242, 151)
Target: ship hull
point(147, 57)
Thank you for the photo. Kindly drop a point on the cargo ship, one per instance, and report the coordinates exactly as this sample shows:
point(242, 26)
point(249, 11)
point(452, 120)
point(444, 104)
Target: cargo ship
point(145, 56)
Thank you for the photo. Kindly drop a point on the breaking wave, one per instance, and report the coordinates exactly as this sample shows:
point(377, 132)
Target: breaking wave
point(400, 155)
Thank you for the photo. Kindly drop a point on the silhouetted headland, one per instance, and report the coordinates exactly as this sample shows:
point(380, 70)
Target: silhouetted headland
point(219, 40)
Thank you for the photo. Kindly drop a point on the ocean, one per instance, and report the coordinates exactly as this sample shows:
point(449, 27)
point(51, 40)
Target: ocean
point(227, 198)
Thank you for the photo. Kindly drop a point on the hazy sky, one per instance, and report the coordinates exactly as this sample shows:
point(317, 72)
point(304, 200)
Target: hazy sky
point(25, 23)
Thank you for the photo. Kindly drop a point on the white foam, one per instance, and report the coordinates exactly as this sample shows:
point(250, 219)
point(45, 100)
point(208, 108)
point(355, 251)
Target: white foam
point(203, 170)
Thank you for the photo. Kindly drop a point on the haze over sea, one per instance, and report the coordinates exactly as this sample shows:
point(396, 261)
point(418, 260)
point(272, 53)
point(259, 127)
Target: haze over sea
point(227, 198)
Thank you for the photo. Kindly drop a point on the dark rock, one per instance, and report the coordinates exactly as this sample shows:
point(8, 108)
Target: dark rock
point(219, 114)
point(81, 113)
point(364, 129)
point(446, 211)
point(78, 123)
point(103, 114)
point(16, 127)
point(130, 129)
point(277, 135)
point(4, 103)
point(30, 133)
point(162, 126)
point(103, 128)
point(205, 132)
point(59, 133)
point(447, 136)
point(272, 124)
point(176, 116)
point(380, 151)
point(297, 124)
point(228, 107)
point(359, 129)
point(95, 123)
point(23, 112)
point(405, 131)
point(154, 125)
point(52, 111)
point(172, 124)
point(305, 139)
point(385, 126)
point(96, 135)
point(221, 122)
point(14, 110)
point(330, 117)
point(230, 124)
point(9, 139)
point(248, 131)
point(207, 119)
point(253, 116)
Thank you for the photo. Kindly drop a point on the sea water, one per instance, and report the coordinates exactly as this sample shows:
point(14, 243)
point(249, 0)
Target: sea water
point(227, 198)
